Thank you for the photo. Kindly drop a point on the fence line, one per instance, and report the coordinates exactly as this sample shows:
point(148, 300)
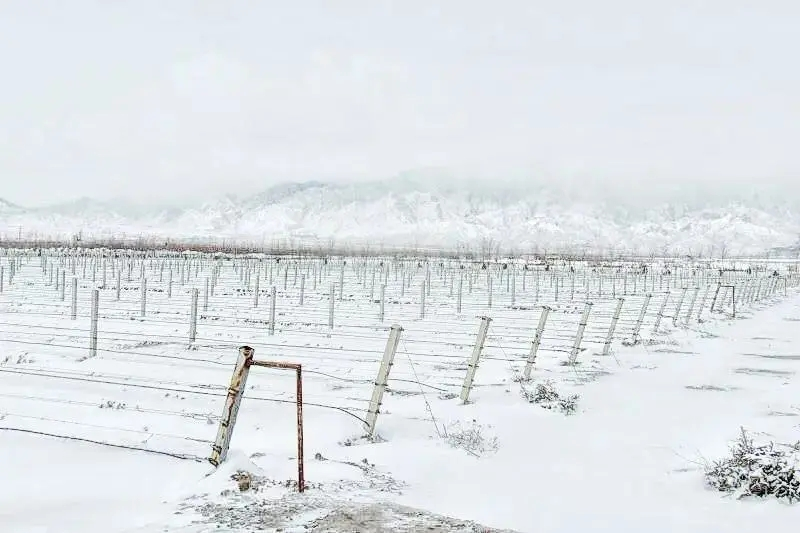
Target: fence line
point(542, 314)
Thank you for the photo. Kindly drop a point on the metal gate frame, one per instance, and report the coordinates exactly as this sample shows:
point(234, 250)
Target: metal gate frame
point(219, 450)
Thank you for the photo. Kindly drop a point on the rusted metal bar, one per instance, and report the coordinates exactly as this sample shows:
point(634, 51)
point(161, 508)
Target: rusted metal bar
point(274, 364)
point(299, 373)
point(301, 483)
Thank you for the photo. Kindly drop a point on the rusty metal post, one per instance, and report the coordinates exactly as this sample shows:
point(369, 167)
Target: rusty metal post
point(472, 366)
point(537, 339)
point(301, 482)
point(299, 388)
point(219, 451)
point(382, 379)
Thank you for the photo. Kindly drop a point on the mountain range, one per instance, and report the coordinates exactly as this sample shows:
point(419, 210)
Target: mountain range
point(428, 211)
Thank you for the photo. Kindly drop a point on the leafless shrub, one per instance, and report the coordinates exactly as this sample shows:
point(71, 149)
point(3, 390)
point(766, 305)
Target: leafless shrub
point(753, 470)
point(470, 438)
point(546, 396)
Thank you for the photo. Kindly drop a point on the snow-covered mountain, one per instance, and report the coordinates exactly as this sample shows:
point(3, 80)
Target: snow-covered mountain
point(424, 211)
point(7, 208)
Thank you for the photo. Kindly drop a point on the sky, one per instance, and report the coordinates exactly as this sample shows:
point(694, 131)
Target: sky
point(153, 100)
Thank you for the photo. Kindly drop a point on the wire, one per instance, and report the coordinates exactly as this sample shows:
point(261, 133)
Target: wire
point(424, 396)
point(186, 457)
point(184, 391)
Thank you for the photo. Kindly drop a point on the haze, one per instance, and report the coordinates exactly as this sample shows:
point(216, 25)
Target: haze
point(154, 100)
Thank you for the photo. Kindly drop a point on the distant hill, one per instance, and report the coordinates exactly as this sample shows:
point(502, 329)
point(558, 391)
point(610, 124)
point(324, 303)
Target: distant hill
point(434, 212)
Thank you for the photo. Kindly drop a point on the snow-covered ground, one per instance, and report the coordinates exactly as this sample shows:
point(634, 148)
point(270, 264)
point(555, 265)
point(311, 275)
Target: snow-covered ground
point(630, 458)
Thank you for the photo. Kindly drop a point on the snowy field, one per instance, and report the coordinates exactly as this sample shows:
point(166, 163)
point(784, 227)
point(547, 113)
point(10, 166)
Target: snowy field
point(674, 358)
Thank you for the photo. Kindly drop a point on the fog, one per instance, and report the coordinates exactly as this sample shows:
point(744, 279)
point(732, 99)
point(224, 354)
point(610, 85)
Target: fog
point(181, 100)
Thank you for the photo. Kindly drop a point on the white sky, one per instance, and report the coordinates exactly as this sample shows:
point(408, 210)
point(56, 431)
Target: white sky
point(166, 99)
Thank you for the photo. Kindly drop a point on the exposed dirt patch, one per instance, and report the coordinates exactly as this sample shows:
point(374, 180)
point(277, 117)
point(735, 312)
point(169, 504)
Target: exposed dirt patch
point(317, 513)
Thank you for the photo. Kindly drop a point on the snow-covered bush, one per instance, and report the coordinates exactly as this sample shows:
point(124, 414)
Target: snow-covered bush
point(762, 471)
point(545, 395)
point(470, 438)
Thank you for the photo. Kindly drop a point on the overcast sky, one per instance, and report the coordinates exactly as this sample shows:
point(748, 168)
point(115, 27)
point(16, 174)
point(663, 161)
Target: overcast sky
point(166, 99)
